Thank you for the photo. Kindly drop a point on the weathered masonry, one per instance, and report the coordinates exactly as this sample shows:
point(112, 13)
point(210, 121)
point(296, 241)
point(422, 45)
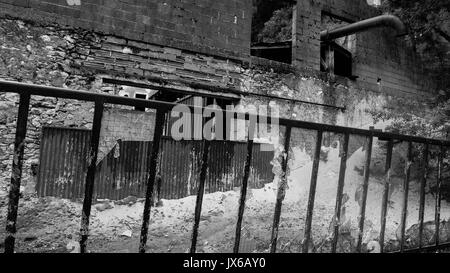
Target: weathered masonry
point(138, 48)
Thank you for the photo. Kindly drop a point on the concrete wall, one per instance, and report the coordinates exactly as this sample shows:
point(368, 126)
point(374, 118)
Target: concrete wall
point(126, 125)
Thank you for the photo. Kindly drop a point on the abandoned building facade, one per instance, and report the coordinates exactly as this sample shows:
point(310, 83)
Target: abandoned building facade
point(199, 50)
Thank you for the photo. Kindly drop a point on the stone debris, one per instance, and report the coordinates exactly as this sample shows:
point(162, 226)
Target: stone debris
point(73, 247)
point(130, 200)
point(104, 206)
point(127, 233)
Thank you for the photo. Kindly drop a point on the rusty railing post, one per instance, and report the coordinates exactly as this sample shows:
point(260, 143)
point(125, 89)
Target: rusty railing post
point(90, 176)
point(312, 192)
point(151, 177)
point(384, 202)
point(423, 183)
point(201, 192)
point(362, 213)
point(248, 163)
point(281, 191)
point(340, 190)
point(244, 186)
point(16, 172)
point(405, 197)
point(438, 195)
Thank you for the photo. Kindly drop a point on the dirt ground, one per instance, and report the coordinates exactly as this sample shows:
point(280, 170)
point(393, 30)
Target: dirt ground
point(52, 225)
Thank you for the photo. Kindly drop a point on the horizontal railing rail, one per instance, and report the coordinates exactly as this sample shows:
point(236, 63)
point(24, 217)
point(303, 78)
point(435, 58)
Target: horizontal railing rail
point(162, 108)
point(65, 93)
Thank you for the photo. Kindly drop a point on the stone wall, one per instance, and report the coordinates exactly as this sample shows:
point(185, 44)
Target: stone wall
point(43, 56)
point(52, 55)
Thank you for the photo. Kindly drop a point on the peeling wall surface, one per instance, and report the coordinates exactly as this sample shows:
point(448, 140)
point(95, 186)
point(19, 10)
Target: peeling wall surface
point(77, 44)
point(124, 125)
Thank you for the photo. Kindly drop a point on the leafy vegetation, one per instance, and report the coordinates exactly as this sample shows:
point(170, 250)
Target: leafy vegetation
point(278, 28)
point(428, 23)
point(272, 21)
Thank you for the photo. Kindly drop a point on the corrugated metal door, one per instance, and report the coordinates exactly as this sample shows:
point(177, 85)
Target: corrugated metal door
point(123, 171)
point(63, 164)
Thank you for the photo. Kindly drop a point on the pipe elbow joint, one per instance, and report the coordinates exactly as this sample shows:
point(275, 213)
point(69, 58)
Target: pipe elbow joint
point(364, 25)
point(394, 22)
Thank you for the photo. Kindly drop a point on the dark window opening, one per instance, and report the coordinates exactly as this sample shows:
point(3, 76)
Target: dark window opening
point(336, 56)
point(272, 29)
point(335, 59)
point(140, 96)
point(280, 52)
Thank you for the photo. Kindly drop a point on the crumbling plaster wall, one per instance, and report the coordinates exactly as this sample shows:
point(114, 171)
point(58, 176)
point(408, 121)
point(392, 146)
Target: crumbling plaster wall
point(359, 103)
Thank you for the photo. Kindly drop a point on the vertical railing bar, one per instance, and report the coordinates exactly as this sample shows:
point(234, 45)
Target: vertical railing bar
point(16, 172)
point(362, 213)
point(151, 177)
point(438, 195)
point(340, 189)
point(312, 192)
point(405, 196)
point(248, 163)
point(281, 191)
point(200, 194)
point(70, 164)
point(423, 183)
point(39, 183)
point(247, 168)
point(90, 175)
point(384, 202)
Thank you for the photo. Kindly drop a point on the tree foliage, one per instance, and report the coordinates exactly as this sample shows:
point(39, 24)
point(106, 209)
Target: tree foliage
point(430, 122)
point(428, 22)
point(272, 20)
point(278, 28)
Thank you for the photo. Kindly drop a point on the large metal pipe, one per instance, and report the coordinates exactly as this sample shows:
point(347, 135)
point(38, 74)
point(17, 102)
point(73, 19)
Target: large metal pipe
point(379, 21)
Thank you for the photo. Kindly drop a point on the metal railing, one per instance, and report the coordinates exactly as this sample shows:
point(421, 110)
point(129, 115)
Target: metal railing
point(27, 90)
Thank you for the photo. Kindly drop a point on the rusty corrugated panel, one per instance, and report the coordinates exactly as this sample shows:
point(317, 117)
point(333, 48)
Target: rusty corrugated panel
point(62, 162)
point(123, 171)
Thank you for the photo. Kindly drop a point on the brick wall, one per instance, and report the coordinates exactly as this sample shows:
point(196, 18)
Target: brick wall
point(143, 60)
point(308, 17)
point(306, 43)
point(208, 26)
point(377, 54)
